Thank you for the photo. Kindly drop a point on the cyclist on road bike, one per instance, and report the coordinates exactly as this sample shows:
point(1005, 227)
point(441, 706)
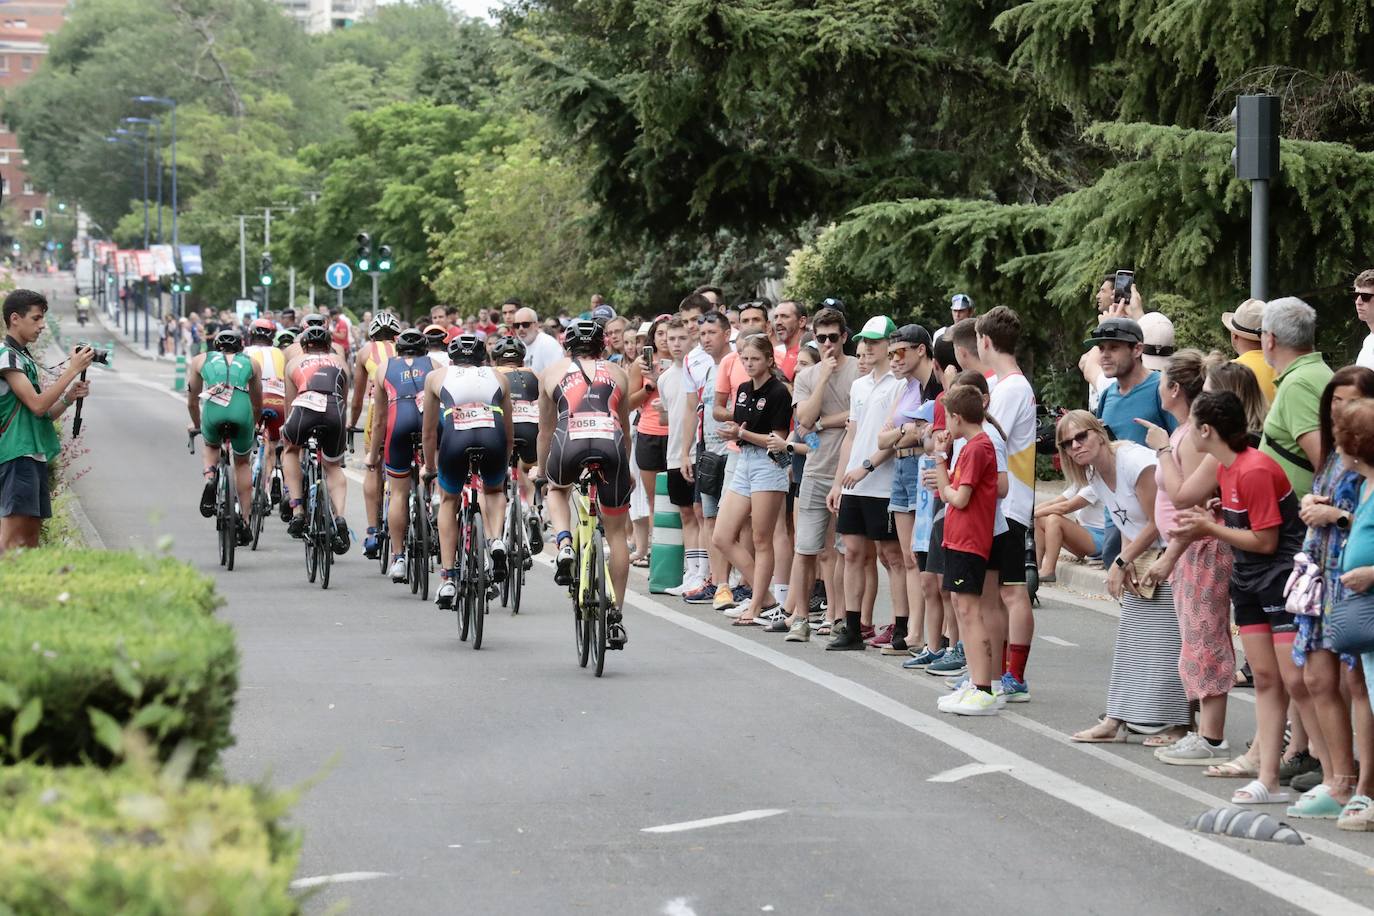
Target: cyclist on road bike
point(381, 345)
point(396, 417)
point(584, 414)
point(437, 340)
point(271, 362)
point(467, 405)
point(315, 385)
point(228, 383)
point(509, 354)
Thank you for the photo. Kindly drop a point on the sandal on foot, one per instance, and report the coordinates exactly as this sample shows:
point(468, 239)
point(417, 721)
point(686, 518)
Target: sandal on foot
point(1316, 803)
point(743, 621)
point(1255, 792)
point(1358, 814)
point(640, 562)
point(1164, 739)
point(1102, 733)
point(1240, 768)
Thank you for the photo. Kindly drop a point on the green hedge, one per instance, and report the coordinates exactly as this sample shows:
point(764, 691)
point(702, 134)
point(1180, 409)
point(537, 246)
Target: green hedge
point(82, 840)
point(93, 640)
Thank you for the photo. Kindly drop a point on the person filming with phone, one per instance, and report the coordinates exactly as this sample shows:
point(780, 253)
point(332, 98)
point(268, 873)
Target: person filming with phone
point(28, 435)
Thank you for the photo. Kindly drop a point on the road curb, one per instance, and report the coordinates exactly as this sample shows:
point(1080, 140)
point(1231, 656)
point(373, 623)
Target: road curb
point(83, 522)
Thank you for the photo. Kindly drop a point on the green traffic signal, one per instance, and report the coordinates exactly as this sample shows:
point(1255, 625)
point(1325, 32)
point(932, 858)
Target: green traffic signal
point(364, 265)
point(266, 279)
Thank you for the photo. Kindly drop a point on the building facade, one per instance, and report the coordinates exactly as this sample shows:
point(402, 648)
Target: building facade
point(316, 16)
point(24, 29)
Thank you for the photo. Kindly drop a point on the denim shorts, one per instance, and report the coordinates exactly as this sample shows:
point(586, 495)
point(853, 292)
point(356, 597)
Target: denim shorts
point(906, 484)
point(757, 473)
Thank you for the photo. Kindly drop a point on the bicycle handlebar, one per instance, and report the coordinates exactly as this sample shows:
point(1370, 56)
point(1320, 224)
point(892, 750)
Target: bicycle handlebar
point(191, 440)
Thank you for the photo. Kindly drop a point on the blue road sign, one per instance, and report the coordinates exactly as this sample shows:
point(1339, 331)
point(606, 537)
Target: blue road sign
point(338, 275)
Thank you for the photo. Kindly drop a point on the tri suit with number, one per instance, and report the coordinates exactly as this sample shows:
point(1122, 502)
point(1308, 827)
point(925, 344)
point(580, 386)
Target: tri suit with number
point(404, 381)
point(226, 400)
point(272, 366)
point(524, 399)
point(319, 405)
point(471, 417)
point(588, 428)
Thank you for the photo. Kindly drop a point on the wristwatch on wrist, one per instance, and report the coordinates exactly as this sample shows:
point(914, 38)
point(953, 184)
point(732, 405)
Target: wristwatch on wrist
point(1120, 562)
point(1343, 521)
point(867, 466)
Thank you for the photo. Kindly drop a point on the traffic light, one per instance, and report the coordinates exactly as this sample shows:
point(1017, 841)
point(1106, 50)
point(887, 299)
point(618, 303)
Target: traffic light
point(384, 258)
point(61, 206)
point(180, 283)
point(265, 275)
point(364, 252)
point(38, 217)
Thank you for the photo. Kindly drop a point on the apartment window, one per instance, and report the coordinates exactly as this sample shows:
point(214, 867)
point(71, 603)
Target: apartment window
point(4, 63)
point(5, 186)
point(26, 63)
point(28, 187)
point(5, 157)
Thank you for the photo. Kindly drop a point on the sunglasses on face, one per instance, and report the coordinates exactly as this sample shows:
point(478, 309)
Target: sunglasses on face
point(1364, 297)
point(898, 353)
point(1078, 439)
point(828, 338)
point(522, 324)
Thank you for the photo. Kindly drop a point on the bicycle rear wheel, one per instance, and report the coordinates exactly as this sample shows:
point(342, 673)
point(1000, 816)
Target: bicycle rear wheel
point(476, 578)
point(598, 592)
point(229, 532)
point(460, 568)
point(412, 544)
point(258, 510)
point(513, 543)
point(384, 532)
point(324, 515)
point(421, 523)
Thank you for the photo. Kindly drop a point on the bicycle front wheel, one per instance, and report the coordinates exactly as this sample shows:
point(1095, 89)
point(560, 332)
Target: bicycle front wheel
point(324, 522)
point(258, 510)
point(229, 532)
point(597, 588)
point(477, 578)
point(421, 524)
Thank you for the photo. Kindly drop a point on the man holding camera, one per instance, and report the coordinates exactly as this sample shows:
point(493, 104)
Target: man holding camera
point(28, 436)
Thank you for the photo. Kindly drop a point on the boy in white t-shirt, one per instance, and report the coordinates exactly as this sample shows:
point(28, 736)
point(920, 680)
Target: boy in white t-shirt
point(672, 388)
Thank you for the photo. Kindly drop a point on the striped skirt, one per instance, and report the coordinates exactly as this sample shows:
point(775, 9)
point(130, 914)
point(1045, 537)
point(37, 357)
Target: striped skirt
point(1145, 688)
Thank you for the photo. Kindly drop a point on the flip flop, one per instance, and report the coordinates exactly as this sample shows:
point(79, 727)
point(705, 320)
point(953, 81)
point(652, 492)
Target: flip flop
point(1255, 792)
point(1316, 803)
point(1093, 736)
point(1241, 767)
point(1161, 740)
point(743, 621)
point(640, 563)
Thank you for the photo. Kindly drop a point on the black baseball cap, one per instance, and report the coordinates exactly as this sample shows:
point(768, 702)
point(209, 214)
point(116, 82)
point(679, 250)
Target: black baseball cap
point(1121, 330)
point(912, 334)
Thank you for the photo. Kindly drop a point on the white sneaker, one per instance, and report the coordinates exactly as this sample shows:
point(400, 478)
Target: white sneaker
point(975, 702)
point(734, 612)
point(945, 702)
point(1193, 750)
point(688, 585)
point(398, 570)
point(736, 577)
point(444, 597)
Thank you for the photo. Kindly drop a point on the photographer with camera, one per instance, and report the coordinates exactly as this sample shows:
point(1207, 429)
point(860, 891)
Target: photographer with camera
point(28, 436)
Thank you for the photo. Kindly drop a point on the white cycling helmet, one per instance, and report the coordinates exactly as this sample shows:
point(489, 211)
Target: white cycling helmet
point(383, 322)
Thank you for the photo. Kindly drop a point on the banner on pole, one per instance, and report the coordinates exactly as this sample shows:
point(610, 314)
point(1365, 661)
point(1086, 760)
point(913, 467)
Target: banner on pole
point(190, 259)
point(145, 263)
point(164, 265)
point(127, 262)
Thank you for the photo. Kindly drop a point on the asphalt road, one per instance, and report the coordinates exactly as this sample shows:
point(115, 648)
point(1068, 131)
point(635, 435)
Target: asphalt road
point(443, 780)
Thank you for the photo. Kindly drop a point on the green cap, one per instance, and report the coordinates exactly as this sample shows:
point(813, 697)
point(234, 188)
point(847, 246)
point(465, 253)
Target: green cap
point(879, 328)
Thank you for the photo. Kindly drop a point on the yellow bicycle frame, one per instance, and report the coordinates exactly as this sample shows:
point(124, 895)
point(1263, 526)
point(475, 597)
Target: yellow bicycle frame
point(583, 533)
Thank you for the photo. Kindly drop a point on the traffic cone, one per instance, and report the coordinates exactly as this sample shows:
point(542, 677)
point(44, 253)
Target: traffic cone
point(665, 560)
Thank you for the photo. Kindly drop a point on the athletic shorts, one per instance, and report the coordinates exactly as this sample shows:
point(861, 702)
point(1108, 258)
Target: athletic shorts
point(814, 519)
point(527, 442)
point(756, 472)
point(964, 572)
point(681, 491)
point(327, 426)
point(1263, 612)
point(614, 483)
point(404, 421)
point(239, 414)
point(935, 557)
point(921, 557)
point(906, 484)
point(453, 457)
point(24, 489)
point(865, 516)
point(651, 452)
point(1008, 555)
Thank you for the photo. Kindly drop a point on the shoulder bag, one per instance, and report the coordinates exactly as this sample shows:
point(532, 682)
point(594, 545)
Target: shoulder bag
point(1351, 624)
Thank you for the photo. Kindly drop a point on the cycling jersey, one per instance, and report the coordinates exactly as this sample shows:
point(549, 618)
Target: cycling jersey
point(272, 367)
point(471, 417)
point(374, 353)
point(403, 379)
point(588, 429)
point(226, 400)
point(439, 358)
point(319, 405)
point(524, 400)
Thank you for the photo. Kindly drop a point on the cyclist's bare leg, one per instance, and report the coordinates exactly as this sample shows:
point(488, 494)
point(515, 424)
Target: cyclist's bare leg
point(291, 471)
point(211, 453)
point(398, 513)
point(448, 528)
point(617, 531)
point(372, 495)
point(559, 509)
point(494, 510)
point(338, 486)
point(243, 479)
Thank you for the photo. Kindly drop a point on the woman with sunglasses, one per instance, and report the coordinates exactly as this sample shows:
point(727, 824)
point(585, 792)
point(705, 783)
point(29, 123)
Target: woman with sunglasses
point(651, 432)
point(1144, 692)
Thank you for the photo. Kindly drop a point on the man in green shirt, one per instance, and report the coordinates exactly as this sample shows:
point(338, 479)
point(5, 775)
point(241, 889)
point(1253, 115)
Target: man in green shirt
point(1292, 431)
point(28, 436)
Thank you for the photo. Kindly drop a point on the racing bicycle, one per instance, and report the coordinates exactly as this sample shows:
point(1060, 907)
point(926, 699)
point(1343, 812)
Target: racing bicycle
point(226, 495)
point(472, 565)
point(592, 593)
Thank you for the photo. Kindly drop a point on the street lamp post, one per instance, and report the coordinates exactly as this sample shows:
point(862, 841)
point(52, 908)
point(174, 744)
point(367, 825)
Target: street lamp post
point(176, 239)
point(157, 147)
point(124, 139)
point(144, 137)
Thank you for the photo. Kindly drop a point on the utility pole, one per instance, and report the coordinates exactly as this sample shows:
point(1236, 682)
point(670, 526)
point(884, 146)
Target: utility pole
point(243, 259)
point(267, 246)
point(1256, 159)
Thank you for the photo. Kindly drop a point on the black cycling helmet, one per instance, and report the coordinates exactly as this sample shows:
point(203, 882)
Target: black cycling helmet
point(585, 338)
point(411, 342)
point(467, 350)
point(315, 337)
point(229, 340)
point(313, 320)
point(509, 348)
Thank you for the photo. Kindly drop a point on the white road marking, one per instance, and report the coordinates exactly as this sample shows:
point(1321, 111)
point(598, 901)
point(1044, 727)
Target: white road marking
point(967, 770)
point(1059, 642)
point(341, 878)
point(678, 906)
point(1235, 863)
point(754, 815)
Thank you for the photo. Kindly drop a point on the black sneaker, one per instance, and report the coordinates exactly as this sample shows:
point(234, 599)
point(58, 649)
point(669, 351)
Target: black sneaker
point(536, 536)
point(615, 630)
point(245, 534)
point(207, 495)
point(286, 510)
point(341, 539)
point(276, 490)
point(846, 642)
point(296, 526)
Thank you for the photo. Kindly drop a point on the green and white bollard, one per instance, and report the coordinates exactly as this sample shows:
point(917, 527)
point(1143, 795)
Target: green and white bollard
point(179, 379)
point(666, 559)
